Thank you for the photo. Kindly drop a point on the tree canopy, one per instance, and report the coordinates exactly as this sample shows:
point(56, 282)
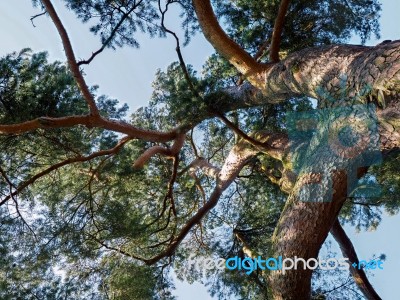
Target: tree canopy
point(96, 204)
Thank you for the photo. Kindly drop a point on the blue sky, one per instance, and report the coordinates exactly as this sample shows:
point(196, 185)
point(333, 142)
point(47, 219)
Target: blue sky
point(127, 76)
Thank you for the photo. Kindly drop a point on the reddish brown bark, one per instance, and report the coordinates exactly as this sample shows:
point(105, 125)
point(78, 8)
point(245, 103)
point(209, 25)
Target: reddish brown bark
point(277, 32)
point(348, 251)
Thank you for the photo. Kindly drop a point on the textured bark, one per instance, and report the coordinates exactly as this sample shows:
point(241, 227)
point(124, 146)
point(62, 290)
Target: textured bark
point(213, 32)
point(334, 75)
point(90, 121)
point(302, 229)
point(315, 72)
point(335, 72)
point(304, 226)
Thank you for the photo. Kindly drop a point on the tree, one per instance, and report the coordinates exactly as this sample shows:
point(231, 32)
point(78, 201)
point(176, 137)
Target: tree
point(250, 159)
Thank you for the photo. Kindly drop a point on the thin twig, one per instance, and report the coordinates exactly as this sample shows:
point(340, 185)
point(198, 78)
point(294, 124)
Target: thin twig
point(36, 16)
point(111, 36)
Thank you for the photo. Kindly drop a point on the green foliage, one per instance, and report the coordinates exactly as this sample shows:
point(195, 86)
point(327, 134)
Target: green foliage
point(31, 87)
point(84, 225)
point(365, 212)
point(307, 24)
point(130, 281)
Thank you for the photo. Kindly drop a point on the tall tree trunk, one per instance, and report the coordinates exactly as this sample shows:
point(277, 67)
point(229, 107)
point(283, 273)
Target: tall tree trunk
point(301, 231)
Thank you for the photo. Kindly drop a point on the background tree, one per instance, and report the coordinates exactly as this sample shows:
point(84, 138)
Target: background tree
point(206, 168)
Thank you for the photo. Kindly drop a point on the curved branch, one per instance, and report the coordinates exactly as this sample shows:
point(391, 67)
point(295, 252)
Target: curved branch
point(69, 52)
point(238, 157)
point(204, 165)
point(229, 49)
point(90, 122)
point(334, 73)
point(149, 153)
point(36, 16)
point(109, 39)
point(277, 32)
point(347, 248)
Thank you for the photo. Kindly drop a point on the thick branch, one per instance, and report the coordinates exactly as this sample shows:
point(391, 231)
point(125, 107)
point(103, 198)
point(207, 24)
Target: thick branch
point(90, 122)
point(348, 251)
point(69, 52)
point(205, 166)
point(277, 32)
point(331, 74)
point(236, 160)
point(169, 152)
point(336, 73)
point(229, 49)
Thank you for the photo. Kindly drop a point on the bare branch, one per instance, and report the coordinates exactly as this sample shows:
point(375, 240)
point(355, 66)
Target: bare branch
point(204, 165)
point(277, 32)
point(11, 187)
point(36, 16)
point(149, 153)
point(69, 52)
point(178, 48)
point(347, 248)
point(90, 122)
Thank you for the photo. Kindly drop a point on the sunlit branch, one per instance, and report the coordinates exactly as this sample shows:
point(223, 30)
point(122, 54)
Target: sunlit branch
point(168, 152)
point(90, 122)
point(69, 52)
point(277, 32)
point(201, 163)
point(229, 49)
